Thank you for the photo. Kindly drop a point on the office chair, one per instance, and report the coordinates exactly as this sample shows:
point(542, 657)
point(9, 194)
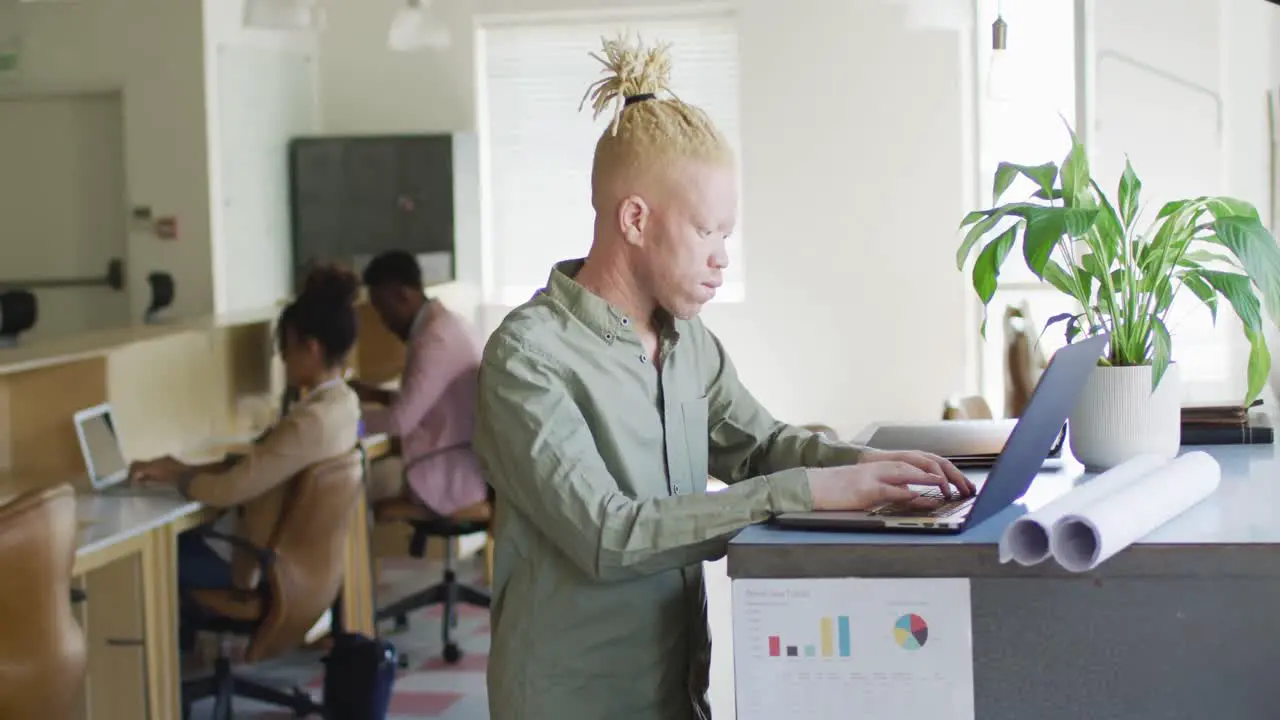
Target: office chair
point(449, 592)
point(17, 315)
point(42, 647)
point(162, 291)
point(301, 575)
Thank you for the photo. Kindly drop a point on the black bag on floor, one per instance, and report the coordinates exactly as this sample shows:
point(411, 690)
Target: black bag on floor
point(359, 674)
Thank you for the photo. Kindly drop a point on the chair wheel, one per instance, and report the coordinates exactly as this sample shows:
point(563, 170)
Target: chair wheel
point(451, 653)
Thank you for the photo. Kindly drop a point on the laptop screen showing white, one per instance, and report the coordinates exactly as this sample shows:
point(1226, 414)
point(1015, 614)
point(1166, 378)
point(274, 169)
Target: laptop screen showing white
point(103, 457)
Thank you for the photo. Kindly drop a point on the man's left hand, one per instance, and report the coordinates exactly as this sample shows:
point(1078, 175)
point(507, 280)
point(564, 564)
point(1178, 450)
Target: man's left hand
point(930, 463)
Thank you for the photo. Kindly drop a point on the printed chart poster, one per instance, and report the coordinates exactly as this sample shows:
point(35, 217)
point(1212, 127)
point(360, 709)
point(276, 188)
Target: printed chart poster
point(854, 649)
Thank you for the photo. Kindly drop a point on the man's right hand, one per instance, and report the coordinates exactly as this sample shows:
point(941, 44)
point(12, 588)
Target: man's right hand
point(867, 485)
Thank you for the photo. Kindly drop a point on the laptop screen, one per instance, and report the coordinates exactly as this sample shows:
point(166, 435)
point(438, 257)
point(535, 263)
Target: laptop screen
point(103, 458)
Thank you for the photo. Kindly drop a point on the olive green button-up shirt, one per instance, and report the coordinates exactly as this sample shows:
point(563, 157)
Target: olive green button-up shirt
point(599, 461)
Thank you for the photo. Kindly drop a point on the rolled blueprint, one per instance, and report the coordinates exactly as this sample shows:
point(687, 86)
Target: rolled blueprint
point(1082, 540)
point(1026, 540)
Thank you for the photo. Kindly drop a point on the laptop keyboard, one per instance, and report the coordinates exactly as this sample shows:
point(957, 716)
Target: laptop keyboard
point(946, 509)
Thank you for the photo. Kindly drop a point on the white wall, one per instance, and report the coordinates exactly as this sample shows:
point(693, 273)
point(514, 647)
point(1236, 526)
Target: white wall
point(856, 171)
point(260, 91)
point(96, 46)
point(1180, 88)
point(61, 199)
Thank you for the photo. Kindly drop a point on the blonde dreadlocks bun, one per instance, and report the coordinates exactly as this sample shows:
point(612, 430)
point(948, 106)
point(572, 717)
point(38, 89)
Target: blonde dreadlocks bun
point(650, 124)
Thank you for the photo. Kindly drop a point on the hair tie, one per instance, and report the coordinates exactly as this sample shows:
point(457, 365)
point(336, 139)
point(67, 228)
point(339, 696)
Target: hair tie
point(637, 98)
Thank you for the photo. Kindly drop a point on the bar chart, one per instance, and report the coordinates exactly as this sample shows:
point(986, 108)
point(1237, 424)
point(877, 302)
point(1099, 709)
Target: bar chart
point(833, 641)
point(816, 648)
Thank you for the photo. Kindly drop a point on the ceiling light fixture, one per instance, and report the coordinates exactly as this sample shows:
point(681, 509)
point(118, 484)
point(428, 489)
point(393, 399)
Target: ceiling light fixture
point(415, 27)
point(1000, 71)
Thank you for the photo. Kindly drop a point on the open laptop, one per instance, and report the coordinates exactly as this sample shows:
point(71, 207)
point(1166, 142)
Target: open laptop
point(104, 456)
point(1011, 475)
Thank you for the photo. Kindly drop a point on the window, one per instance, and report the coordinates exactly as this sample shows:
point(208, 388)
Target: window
point(1021, 123)
point(537, 146)
point(1021, 120)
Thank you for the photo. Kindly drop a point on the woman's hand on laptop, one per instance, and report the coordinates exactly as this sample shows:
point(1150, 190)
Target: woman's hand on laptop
point(928, 462)
point(161, 471)
point(870, 484)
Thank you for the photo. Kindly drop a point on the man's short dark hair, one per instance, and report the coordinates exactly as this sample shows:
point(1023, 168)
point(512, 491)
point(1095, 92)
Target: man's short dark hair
point(395, 267)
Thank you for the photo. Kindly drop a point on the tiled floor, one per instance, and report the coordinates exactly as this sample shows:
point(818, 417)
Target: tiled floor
point(432, 689)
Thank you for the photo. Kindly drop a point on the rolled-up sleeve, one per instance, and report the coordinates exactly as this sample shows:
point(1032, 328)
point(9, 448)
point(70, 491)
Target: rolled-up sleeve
point(540, 455)
point(746, 441)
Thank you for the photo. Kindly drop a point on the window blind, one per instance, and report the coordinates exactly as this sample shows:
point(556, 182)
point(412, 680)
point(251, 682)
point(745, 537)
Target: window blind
point(538, 146)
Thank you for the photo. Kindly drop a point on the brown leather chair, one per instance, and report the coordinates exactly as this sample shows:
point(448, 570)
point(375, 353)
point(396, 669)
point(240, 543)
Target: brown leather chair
point(972, 407)
point(449, 591)
point(1024, 361)
point(42, 647)
point(301, 570)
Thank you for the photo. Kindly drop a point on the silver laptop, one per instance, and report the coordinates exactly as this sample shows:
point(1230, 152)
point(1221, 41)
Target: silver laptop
point(104, 455)
point(1019, 461)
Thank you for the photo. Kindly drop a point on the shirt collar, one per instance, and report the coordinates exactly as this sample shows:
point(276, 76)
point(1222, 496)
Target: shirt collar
point(605, 320)
point(327, 384)
point(420, 318)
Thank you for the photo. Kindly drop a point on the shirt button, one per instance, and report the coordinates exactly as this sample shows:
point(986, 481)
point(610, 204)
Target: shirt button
point(675, 489)
point(644, 359)
point(608, 336)
point(626, 321)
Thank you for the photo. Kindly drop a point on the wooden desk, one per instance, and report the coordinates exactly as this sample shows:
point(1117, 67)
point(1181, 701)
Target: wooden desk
point(126, 551)
point(126, 560)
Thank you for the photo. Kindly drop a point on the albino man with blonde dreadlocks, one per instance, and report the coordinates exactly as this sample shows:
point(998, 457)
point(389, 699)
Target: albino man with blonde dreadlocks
point(605, 403)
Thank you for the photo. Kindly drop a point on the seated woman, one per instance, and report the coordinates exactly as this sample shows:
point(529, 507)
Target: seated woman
point(315, 333)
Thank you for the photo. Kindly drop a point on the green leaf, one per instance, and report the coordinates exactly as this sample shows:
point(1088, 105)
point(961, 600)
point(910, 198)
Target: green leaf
point(1130, 189)
point(1090, 264)
point(1057, 277)
point(1006, 173)
point(1161, 348)
point(1075, 173)
point(1197, 258)
point(1238, 291)
point(1256, 249)
point(1224, 207)
point(1079, 221)
point(987, 269)
point(1201, 289)
point(974, 217)
point(987, 224)
point(1170, 208)
point(1046, 226)
point(1259, 365)
point(1111, 233)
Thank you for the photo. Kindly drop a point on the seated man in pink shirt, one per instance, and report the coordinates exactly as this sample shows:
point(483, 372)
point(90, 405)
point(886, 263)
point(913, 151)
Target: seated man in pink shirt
point(433, 411)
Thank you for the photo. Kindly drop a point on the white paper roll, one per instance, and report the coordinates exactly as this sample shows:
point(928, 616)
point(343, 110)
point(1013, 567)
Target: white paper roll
point(1085, 538)
point(1027, 539)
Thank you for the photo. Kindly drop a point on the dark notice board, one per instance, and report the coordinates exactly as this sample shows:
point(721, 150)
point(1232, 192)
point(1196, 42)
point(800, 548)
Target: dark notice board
point(353, 197)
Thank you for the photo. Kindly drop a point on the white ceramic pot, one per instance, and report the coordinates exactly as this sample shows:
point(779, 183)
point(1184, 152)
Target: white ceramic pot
point(1118, 417)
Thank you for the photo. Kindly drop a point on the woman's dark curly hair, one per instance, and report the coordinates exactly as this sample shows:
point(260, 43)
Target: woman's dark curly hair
point(324, 311)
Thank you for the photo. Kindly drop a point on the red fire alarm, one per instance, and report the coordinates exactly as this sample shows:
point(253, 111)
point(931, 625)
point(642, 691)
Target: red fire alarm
point(167, 228)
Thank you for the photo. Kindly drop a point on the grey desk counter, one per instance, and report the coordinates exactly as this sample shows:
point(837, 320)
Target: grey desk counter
point(1184, 624)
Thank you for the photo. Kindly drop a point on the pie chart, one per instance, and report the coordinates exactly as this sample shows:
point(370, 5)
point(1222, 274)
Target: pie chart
point(910, 632)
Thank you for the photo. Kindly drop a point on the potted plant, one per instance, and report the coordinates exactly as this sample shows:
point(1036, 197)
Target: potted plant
point(1124, 273)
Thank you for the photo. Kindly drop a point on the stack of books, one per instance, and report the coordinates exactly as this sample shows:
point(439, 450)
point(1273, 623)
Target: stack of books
point(1226, 425)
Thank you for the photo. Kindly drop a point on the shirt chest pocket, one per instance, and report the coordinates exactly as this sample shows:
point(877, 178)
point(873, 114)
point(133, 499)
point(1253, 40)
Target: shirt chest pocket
point(696, 430)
